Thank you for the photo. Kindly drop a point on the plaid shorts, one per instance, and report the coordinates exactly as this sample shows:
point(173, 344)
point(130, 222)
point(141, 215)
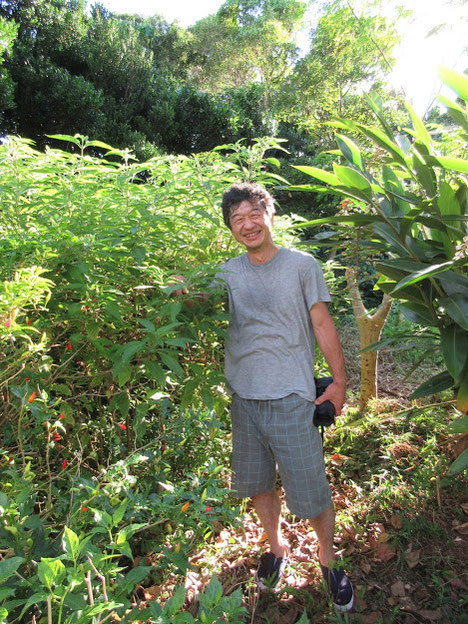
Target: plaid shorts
point(279, 433)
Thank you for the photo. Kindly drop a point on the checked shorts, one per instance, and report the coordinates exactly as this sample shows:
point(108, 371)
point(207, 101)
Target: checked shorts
point(279, 434)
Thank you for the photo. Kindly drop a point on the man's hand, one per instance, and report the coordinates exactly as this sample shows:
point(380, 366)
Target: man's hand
point(336, 393)
point(329, 343)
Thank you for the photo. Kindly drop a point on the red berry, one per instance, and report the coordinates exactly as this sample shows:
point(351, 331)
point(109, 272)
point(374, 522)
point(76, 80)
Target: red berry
point(64, 464)
point(122, 426)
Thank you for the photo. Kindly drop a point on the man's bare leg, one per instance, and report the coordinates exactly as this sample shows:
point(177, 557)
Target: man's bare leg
point(324, 527)
point(268, 508)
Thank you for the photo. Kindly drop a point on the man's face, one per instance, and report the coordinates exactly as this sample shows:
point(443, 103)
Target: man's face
point(251, 225)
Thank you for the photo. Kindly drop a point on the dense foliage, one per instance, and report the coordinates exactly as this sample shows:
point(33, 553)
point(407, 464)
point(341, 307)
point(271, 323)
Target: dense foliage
point(113, 415)
point(411, 211)
point(152, 86)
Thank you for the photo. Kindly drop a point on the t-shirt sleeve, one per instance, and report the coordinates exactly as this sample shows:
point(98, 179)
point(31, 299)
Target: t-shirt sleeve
point(314, 285)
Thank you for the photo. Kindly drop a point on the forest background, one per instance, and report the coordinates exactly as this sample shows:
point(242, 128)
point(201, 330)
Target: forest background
point(115, 427)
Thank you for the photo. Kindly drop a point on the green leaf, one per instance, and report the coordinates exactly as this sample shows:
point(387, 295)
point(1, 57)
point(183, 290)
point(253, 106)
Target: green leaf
point(434, 385)
point(9, 566)
point(50, 571)
point(119, 512)
point(320, 174)
point(381, 139)
point(457, 82)
point(459, 426)
point(428, 271)
point(350, 151)
point(175, 603)
point(456, 306)
point(131, 349)
point(417, 313)
point(419, 128)
point(35, 599)
point(351, 177)
point(454, 340)
point(71, 543)
point(172, 364)
point(450, 164)
point(460, 464)
point(155, 371)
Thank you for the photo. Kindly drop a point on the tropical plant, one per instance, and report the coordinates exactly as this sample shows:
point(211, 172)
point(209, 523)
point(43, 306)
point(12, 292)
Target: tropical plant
point(414, 210)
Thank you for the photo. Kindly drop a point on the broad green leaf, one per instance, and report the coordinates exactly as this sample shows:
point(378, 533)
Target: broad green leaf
point(450, 164)
point(457, 82)
point(172, 364)
point(71, 543)
point(65, 137)
point(381, 139)
point(35, 599)
point(155, 371)
point(434, 385)
point(188, 392)
point(456, 112)
point(460, 464)
point(456, 306)
point(51, 571)
point(134, 577)
point(417, 313)
point(355, 219)
point(320, 174)
point(454, 340)
point(175, 603)
point(459, 426)
point(119, 512)
point(121, 402)
point(351, 177)
point(131, 349)
point(419, 128)
point(429, 271)
point(350, 151)
point(9, 566)
point(447, 201)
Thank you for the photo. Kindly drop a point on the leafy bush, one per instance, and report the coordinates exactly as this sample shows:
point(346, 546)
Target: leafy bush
point(413, 210)
point(115, 436)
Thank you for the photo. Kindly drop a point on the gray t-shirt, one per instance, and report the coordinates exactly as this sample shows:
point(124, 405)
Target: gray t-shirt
point(270, 347)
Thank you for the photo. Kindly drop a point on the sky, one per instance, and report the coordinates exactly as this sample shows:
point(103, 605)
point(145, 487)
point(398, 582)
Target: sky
point(417, 57)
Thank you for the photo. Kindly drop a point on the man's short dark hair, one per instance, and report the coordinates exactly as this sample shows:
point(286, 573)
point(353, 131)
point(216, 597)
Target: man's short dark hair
point(245, 191)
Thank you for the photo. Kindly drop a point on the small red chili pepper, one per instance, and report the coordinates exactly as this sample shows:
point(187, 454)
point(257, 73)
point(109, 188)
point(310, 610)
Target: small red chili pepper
point(209, 508)
point(62, 416)
point(57, 436)
point(8, 323)
point(28, 322)
point(84, 509)
point(69, 346)
point(31, 397)
point(184, 507)
point(122, 426)
point(64, 464)
point(27, 379)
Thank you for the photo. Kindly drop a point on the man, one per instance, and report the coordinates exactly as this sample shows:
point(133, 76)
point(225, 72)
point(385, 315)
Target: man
point(278, 308)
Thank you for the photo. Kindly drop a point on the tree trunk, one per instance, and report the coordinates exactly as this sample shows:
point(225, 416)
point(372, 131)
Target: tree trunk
point(370, 330)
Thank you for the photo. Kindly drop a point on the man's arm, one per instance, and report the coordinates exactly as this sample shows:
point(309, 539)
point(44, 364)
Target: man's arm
point(329, 344)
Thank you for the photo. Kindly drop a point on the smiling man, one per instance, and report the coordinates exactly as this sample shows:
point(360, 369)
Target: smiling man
point(278, 303)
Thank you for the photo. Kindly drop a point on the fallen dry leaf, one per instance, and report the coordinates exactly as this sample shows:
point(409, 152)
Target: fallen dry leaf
point(337, 459)
point(457, 582)
point(398, 588)
point(365, 567)
point(462, 528)
point(432, 616)
point(383, 537)
point(385, 552)
point(412, 558)
point(464, 506)
point(396, 522)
